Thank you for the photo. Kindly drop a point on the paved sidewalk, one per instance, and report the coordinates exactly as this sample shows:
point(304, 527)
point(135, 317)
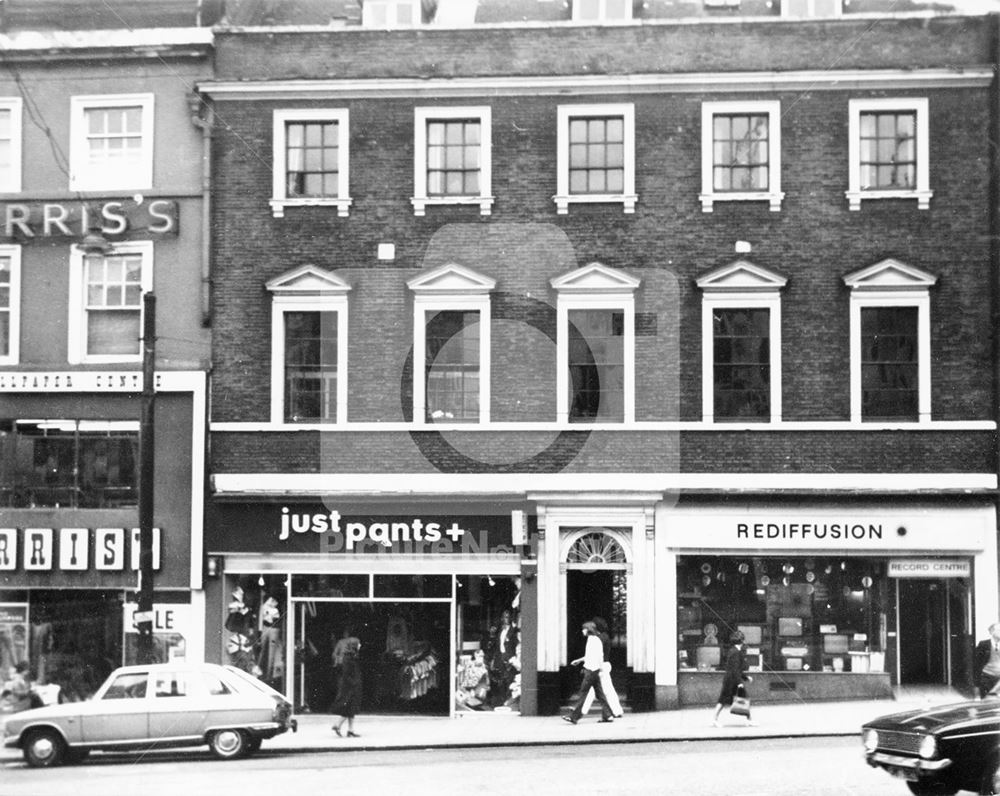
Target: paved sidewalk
point(511, 729)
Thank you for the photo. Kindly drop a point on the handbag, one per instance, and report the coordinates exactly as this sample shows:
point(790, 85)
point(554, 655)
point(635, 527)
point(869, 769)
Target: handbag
point(741, 703)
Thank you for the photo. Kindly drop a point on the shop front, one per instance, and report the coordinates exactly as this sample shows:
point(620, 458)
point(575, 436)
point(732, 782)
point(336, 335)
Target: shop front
point(69, 541)
point(834, 602)
point(433, 596)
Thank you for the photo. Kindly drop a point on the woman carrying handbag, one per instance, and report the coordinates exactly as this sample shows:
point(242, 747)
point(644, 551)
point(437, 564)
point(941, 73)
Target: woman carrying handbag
point(733, 692)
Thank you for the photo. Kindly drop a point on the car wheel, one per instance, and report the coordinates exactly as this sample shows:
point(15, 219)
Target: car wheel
point(228, 744)
point(931, 789)
point(44, 748)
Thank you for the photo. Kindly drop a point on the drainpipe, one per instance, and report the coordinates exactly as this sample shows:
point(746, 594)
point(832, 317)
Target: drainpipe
point(994, 233)
point(206, 126)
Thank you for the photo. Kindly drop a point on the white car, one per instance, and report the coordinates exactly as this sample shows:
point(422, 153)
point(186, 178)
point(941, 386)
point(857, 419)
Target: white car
point(155, 706)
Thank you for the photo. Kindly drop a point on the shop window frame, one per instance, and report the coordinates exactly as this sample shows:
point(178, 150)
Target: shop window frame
point(740, 285)
point(602, 15)
point(450, 288)
point(12, 356)
point(391, 8)
point(280, 198)
point(86, 177)
point(891, 283)
point(78, 339)
point(922, 192)
point(307, 289)
point(566, 115)
point(424, 116)
point(773, 194)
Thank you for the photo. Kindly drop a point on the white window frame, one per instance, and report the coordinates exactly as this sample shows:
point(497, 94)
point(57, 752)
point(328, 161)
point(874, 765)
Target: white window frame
point(13, 355)
point(450, 288)
point(771, 301)
point(77, 344)
point(602, 14)
point(922, 192)
point(279, 191)
point(423, 115)
point(15, 106)
point(594, 287)
point(892, 284)
point(567, 113)
point(285, 303)
point(773, 195)
point(81, 179)
point(367, 10)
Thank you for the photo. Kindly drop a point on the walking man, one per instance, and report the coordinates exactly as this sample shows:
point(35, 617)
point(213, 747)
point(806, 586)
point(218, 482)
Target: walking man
point(593, 658)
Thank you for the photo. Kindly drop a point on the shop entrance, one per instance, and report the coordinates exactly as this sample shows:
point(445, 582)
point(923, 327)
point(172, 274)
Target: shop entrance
point(590, 594)
point(933, 631)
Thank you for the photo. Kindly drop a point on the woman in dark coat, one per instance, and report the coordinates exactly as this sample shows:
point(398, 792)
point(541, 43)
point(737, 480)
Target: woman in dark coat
point(348, 689)
point(736, 675)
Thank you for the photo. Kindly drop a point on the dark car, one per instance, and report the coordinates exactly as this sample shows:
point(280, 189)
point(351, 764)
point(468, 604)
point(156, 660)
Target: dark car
point(939, 750)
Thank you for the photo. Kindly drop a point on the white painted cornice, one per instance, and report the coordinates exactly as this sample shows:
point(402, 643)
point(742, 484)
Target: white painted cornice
point(307, 279)
point(582, 85)
point(890, 274)
point(741, 276)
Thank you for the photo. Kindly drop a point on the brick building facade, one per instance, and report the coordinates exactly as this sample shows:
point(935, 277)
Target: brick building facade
point(700, 317)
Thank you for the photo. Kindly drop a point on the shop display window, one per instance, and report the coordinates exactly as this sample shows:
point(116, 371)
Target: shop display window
point(255, 627)
point(330, 585)
point(818, 614)
point(488, 646)
point(413, 586)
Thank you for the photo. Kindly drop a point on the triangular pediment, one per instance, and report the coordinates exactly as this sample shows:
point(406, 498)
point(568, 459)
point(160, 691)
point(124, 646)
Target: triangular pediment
point(451, 278)
point(890, 274)
point(742, 276)
point(307, 280)
point(595, 278)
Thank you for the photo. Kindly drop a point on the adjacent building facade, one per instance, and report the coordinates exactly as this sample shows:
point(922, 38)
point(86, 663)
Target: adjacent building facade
point(103, 201)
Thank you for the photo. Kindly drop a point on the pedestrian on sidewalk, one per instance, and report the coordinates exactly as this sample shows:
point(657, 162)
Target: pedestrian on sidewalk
point(592, 659)
point(348, 689)
point(986, 661)
point(609, 687)
point(735, 676)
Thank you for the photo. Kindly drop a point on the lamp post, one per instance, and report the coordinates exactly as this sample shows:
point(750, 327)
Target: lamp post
point(145, 651)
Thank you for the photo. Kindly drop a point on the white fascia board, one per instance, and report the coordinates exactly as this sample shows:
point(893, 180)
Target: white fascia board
point(696, 82)
point(519, 484)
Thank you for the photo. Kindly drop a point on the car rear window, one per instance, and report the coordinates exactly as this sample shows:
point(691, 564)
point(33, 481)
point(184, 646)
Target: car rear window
point(214, 685)
point(131, 685)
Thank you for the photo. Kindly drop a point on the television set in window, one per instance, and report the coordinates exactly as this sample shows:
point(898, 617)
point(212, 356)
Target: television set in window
point(708, 656)
point(835, 643)
point(790, 626)
point(753, 635)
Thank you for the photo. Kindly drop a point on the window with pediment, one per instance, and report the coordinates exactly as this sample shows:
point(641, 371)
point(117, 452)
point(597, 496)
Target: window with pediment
point(308, 347)
point(595, 349)
point(451, 345)
point(741, 344)
point(890, 343)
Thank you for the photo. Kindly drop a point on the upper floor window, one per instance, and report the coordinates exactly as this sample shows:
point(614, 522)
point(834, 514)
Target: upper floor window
point(111, 142)
point(451, 346)
point(602, 10)
point(741, 344)
point(452, 158)
point(106, 302)
point(68, 463)
point(888, 151)
point(390, 13)
point(10, 304)
point(595, 159)
point(890, 343)
point(308, 346)
point(595, 349)
point(10, 144)
point(311, 160)
point(740, 153)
